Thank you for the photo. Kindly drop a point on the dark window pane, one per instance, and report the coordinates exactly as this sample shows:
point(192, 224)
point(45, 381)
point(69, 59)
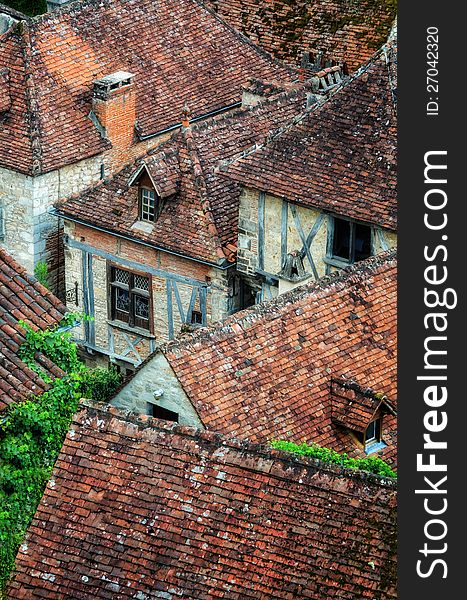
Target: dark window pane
point(341, 246)
point(159, 412)
point(362, 242)
point(122, 300)
point(141, 307)
point(373, 432)
point(197, 317)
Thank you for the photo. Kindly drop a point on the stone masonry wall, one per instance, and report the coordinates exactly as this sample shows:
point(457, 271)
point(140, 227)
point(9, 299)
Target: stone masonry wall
point(31, 233)
point(157, 375)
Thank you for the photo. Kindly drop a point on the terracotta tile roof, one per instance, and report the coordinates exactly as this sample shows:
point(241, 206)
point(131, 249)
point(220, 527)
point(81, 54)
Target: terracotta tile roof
point(266, 373)
point(341, 157)
point(348, 32)
point(137, 508)
point(177, 50)
point(200, 220)
point(22, 298)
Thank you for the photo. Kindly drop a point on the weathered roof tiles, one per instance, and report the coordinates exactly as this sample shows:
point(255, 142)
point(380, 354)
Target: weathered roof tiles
point(22, 298)
point(341, 156)
point(137, 508)
point(177, 50)
point(200, 208)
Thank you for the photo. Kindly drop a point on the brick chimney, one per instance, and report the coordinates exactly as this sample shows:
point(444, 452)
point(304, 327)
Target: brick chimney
point(114, 113)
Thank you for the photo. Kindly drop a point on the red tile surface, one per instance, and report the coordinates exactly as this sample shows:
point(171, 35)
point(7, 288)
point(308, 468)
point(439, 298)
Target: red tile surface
point(22, 298)
point(200, 214)
point(266, 373)
point(341, 157)
point(137, 508)
point(347, 32)
point(177, 50)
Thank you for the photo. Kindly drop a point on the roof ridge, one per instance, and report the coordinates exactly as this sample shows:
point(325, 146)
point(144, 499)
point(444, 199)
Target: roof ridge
point(262, 451)
point(243, 319)
point(297, 119)
point(31, 101)
point(200, 184)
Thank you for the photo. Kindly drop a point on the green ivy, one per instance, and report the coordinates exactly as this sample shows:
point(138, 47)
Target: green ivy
point(370, 464)
point(41, 272)
point(32, 432)
point(27, 7)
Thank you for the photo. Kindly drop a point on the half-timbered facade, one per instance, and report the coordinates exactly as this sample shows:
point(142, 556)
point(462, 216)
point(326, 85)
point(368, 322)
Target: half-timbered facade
point(322, 194)
point(151, 252)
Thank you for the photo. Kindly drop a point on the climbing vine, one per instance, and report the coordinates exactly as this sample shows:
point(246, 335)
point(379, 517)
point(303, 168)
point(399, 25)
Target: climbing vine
point(370, 464)
point(32, 432)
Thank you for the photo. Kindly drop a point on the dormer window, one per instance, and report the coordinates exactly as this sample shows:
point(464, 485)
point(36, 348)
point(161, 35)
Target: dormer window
point(148, 204)
point(373, 432)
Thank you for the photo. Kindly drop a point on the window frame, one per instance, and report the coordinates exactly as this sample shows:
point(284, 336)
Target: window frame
point(376, 439)
point(334, 258)
point(141, 209)
point(133, 322)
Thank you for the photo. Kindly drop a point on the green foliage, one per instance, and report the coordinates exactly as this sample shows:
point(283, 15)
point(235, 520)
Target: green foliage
point(32, 432)
point(100, 384)
point(27, 7)
point(41, 271)
point(369, 464)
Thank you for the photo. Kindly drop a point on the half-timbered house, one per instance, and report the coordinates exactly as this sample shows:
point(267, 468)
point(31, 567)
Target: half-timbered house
point(89, 88)
point(322, 194)
point(152, 250)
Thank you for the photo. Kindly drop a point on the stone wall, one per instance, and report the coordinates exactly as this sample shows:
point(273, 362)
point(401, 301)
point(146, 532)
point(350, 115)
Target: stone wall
point(31, 233)
point(157, 376)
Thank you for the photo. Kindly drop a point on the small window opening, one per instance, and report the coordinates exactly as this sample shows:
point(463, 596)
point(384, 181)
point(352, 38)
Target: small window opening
point(148, 205)
point(351, 241)
point(197, 317)
point(130, 298)
point(373, 432)
point(154, 410)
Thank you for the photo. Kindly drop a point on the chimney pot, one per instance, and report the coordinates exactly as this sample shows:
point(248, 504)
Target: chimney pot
point(105, 87)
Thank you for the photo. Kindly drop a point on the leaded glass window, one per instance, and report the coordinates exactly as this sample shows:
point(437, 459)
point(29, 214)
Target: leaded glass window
point(130, 298)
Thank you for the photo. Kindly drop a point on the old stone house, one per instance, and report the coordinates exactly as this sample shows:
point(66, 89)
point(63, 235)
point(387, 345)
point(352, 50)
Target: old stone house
point(88, 88)
point(151, 251)
point(23, 298)
point(141, 509)
point(322, 194)
point(317, 364)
